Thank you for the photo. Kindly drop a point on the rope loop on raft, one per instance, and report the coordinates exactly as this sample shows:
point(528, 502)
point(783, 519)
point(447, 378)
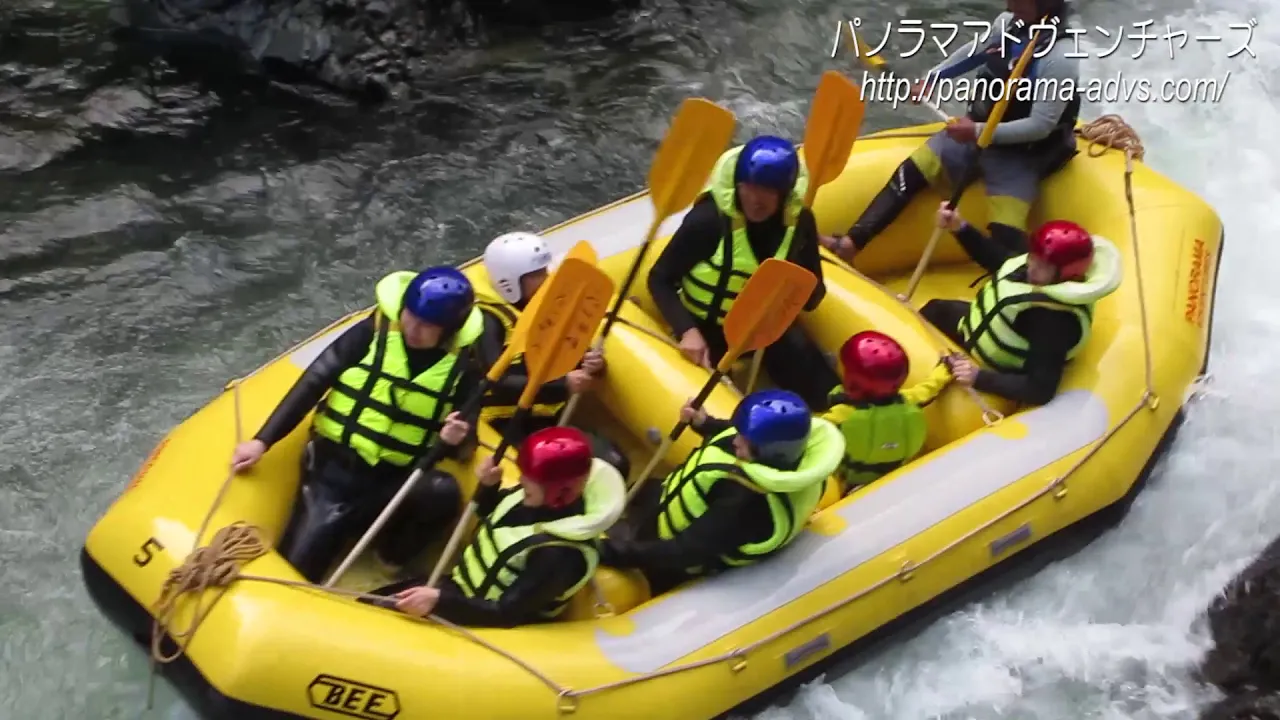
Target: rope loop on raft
point(1111, 132)
point(215, 565)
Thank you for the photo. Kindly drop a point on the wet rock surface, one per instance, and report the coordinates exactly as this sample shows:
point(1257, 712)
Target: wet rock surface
point(1244, 621)
point(367, 49)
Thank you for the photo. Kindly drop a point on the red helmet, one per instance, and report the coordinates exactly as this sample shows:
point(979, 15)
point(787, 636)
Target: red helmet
point(1064, 245)
point(874, 364)
point(559, 460)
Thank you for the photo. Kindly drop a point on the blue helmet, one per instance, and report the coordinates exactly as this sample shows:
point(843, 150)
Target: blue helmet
point(776, 423)
point(440, 295)
point(768, 161)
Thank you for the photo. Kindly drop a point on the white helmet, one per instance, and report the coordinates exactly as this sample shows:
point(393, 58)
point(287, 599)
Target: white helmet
point(512, 256)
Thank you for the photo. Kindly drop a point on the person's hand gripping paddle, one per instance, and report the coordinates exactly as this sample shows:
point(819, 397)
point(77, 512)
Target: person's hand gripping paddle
point(835, 117)
point(515, 345)
point(768, 304)
point(558, 332)
point(984, 141)
point(699, 135)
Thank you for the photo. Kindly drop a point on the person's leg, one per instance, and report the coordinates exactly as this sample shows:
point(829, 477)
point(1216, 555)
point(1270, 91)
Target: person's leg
point(324, 514)
point(946, 315)
point(1012, 179)
point(796, 363)
point(939, 162)
point(428, 512)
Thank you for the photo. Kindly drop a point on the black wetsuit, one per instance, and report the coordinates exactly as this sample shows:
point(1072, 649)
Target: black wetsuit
point(547, 574)
point(736, 515)
point(506, 393)
point(341, 494)
point(794, 362)
point(1050, 334)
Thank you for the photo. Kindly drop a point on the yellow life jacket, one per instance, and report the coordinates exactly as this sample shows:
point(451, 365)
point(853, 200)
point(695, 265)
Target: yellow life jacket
point(497, 555)
point(792, 495)
point(376, 407)
point(507, 314)
point(988, 330)
point(710, 288)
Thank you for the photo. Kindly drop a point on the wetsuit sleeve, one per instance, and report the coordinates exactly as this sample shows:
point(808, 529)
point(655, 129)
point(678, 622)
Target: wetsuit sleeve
point(487, 498)
point(928, 390)
point(306, 393)
point(984, 250)
point(1050, 334)
point(711, 427)
point(1050, 102)
point(548, 572)
point(807, 257)
point(694, 241)
point(717, 531)
point(506, 392)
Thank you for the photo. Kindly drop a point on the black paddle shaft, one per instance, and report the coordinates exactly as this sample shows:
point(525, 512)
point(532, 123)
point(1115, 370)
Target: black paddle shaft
point(614, 311)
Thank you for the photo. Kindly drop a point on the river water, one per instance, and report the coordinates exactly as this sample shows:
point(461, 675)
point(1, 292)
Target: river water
point(156, 241)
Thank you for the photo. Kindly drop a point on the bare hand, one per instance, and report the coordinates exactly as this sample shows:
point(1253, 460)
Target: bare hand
point(489, 473)
point(963, 130)
point(694, 347)
point(963, 369)
point(593, 362)
point(580, 381)
point(418, 601)
point(691, 416)
point(949, 218)
point(455, 429)
point(841, 245)
point(247, 454)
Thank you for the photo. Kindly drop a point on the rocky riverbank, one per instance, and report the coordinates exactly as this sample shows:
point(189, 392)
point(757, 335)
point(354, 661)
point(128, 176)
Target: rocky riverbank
point(1244, 622)
point(367, 49)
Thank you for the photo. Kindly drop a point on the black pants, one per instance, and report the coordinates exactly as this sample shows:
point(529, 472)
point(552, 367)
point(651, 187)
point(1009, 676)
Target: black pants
point(946, 316)
point(794, 363)
point(640, 524)
point(601, 446)
point(341, 496)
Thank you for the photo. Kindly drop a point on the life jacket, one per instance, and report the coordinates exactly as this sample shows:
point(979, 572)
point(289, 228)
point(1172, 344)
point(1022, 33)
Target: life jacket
point(878, 436)
point(996, 71)
point(709, 289)
point(989, 330)
point(507, 314)
point(376, 407)
point(497, 555)
point(792, 495)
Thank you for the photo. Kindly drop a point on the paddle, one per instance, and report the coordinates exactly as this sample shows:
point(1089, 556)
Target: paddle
point(515, 345)
point(835, 117)
point(984, 140)
point(699, 135)
point(771, 300)
point(558, 330)
point(875, 63)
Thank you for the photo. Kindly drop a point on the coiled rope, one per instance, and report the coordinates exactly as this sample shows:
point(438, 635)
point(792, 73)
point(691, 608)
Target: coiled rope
point(219, 564)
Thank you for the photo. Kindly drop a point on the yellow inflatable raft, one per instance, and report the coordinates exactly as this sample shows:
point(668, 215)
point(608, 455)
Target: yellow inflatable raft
point(270, 647)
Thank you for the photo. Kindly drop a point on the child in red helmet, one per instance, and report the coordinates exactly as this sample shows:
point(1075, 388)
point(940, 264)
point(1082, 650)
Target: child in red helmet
point(1036, 311)
point(883, 425)
point(537, 544)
